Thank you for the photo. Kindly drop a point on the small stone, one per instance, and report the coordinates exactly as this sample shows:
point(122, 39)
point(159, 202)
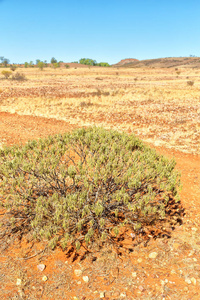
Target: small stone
point(79, 282)
point(44, 278)
point(75, 298)
point(139, 260)
point(102, 295)
point(141, 288)
point(193, 280)
point(153, 255)
point(115, 294)
point(176, 245)
point(188, 281)
point(194, 259)
point(78, 272)
point(194, 228)
point(86, 278)
point(134, 274)
point(19, 281)
point(123, 295)
point(41, 267)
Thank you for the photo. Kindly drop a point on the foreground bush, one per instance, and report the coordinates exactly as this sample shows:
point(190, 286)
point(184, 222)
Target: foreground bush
point(83, 187)
point(19, 76)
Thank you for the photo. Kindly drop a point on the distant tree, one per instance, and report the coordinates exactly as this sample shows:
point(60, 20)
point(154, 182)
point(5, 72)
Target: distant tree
point(4, 61)
point(103, 64)
point(45, 63)
point(26, 64)
point(53, 60)
point(40, 65)
point(37, 61)
point(88, 61)
point(56, 65)
point(31, 64)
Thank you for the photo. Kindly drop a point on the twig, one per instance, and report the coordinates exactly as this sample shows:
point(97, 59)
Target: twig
point(34, 254)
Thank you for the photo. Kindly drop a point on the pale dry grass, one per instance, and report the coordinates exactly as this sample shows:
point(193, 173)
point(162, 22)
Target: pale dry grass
point(156, 104)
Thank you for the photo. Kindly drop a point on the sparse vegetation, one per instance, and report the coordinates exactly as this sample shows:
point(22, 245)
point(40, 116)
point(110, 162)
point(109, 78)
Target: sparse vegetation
point(41, 65)
point(84, 187)
point(18, 76)
point(6, 74)
point(190, 83)
point(13, 68)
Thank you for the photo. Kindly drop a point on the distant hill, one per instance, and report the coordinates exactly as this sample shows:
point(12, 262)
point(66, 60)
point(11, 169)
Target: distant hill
point(168, 62)
point(125, 61)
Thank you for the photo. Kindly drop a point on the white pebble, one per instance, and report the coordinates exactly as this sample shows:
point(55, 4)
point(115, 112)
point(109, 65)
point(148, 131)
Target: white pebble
point(78, 272)
point(153, 255)
point(19, 281)
point(187, 280)
point(102, 295)
point(193, 280)
point(44, 278)
point(41, 267)
point(134, 274)
point(86, 278)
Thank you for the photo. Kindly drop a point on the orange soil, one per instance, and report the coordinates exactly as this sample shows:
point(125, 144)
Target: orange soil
point(173, 274)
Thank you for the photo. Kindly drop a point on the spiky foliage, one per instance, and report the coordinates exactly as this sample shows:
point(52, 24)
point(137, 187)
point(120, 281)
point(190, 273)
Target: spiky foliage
point(83, 186)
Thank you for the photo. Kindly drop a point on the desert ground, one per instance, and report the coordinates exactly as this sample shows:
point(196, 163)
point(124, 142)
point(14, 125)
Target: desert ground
point(162, 107)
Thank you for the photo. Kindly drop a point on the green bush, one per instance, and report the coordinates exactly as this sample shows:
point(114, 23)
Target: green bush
point(6, 74)
point(83, 187)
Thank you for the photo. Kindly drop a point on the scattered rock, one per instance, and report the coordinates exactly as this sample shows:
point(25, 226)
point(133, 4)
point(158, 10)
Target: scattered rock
point(139, 260)
point(153, 255)
point(123, 295)
point(115, 294)
point(102, 295)
point(78, 272)
point(41, 267)
point(86, 278)
point(44, 278)
point(134, 274)
point(193, 280)
point(19, 281)
point(176, 245)
point(188, 281)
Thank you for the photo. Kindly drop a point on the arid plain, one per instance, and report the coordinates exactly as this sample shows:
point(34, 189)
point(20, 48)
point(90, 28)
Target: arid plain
point(162, 107)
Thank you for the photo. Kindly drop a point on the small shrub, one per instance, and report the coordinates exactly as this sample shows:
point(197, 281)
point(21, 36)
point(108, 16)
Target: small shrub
point(190, 83)
point(84, 186)
point(86, 104)
point(67, 66)
point(19, 76)
point(6, 74)
point(40, 65)
point(13, 68)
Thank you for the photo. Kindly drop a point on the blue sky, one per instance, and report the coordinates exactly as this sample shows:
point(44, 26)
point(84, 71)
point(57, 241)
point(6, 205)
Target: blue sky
point(104, 30)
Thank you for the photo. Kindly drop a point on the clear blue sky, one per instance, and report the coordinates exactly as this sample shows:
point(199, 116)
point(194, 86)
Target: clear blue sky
point(105, 30)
